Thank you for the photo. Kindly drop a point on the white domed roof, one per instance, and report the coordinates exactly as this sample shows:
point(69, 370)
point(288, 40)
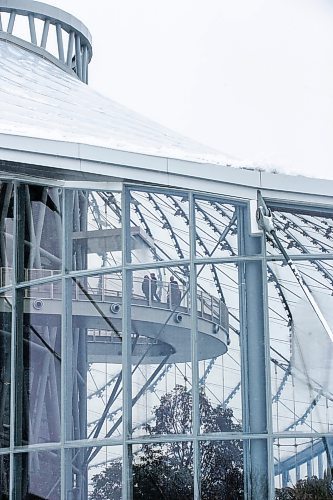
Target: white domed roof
point(39, 99)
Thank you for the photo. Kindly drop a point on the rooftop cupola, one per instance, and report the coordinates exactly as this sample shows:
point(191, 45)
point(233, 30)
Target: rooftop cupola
point(49, 32)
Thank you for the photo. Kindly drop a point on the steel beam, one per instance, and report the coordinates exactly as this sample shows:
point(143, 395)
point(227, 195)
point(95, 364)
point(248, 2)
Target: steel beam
point(255, 363)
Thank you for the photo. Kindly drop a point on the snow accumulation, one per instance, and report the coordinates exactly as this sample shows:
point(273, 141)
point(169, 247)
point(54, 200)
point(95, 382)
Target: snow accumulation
point(38, 99)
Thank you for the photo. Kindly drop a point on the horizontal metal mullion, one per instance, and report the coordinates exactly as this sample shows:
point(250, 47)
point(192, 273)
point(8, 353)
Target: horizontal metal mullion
point(93, 443)
point(38, 281)
point(94, 272)
point(303, 256)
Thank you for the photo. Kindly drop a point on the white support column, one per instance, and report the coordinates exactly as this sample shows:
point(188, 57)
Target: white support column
point(60, 42)
point(70, 48)
point(78, 56)
point(11, 22)
point(32, 29)
point(85, 64)
point(45, 33)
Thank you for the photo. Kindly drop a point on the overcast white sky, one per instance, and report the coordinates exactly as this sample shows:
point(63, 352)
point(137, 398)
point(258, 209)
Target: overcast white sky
point(252, 78)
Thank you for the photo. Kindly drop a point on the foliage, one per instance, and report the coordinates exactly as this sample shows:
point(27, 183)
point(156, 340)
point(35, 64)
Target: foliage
point(107, 484)
point(165, 470)
point(307, 489)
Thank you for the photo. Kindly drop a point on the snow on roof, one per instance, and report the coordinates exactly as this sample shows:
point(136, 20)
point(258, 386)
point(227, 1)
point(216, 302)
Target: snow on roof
point(39, 99)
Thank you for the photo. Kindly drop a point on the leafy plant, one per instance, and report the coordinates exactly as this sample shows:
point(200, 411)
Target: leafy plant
point(165, 470)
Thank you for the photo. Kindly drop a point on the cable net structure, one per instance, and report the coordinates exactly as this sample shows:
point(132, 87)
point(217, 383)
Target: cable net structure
point(163, 249)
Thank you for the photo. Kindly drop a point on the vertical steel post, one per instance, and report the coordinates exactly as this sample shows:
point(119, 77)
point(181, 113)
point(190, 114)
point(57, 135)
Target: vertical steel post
point(309, 469)
point(127, 480)
point(66, 345)
point(19, 467)
point(320, 466)
point(194, 349)
point(255, 362)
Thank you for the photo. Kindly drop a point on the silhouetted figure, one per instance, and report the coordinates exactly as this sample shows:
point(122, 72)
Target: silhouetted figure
point(153, 288)
point(145, 287)
point(174, 294)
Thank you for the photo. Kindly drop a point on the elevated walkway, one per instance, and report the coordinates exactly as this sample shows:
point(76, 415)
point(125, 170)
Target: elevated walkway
point(159, 328)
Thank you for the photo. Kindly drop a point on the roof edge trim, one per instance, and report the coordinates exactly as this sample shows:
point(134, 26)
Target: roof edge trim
point(138, 167)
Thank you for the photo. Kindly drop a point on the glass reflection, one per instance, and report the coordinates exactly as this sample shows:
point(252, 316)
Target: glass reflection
point(216, 228)
point(161, 350)
point(303, 233)
point(37, 475)
point(38, 364)
point(96, 473)
point(219, 348)
point(302, 360)
point(302, 468)
point(221, 470)
point(159, 226)
point(96, 235)
point(97, 356)
point(40, 228)
point(5, 375)
point(4, 476)
point(6, 232)
point(163, 470)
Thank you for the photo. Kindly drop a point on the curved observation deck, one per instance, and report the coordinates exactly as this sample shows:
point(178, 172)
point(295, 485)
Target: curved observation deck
point(69, 47)
point(160, 327)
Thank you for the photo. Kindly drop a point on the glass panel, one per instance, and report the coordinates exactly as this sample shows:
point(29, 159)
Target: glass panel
point(218, 348)
point(302, 468)
point(96, 229)
point(163, 470)
point(302, 233)
point(5, 358)
point(4, 476)
point(96, 473)
point(40, 230)
point(161, 351)
point(301, 347)
point(37, 475)
point(97, 356)
point(159, 226)
point(216, 228)
point(38, 364)
point(6, 232)
point(221, 469)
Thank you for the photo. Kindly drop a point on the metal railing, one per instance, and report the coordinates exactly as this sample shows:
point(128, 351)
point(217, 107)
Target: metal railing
point(108, 289)
point(72, 38)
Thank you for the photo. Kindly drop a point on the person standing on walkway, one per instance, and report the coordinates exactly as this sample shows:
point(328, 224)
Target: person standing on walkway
point(153, 288)
point(145, 287)
point(174, 294)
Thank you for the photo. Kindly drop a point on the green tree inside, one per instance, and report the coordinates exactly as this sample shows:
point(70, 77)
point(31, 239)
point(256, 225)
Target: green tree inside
point(307, 489)
point(165, 470)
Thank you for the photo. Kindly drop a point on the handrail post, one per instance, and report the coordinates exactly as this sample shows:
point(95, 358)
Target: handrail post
point(52, 286)
point(103, 287)
point(212, 307)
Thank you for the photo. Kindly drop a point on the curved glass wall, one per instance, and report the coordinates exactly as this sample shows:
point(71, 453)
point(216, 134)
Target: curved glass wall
point(150, 346)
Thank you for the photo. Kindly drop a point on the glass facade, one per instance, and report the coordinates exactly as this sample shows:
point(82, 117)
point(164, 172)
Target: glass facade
point(152, 346)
